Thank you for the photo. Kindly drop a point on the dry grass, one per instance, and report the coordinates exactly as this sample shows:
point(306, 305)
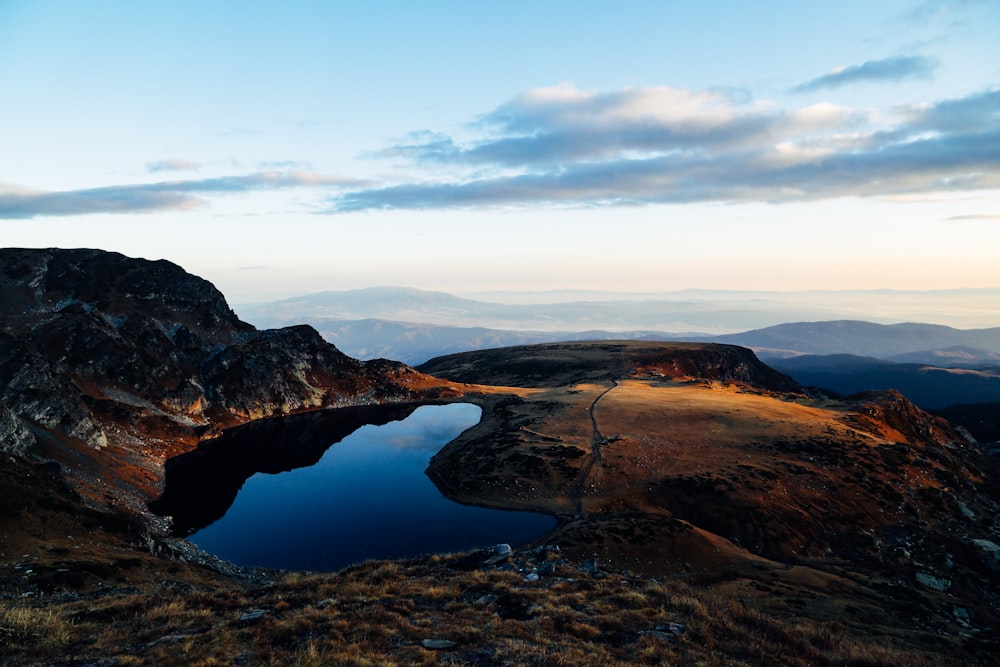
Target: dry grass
point(380, 613)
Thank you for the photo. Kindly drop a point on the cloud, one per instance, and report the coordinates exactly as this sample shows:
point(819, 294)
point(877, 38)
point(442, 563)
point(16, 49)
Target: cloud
point(897, 68)
point(172, 165)
point(559, 125)
point(975, 216)
point(22, 203)
point(563, 146)
point(936, 12)
point(974, 113)
point(284, 164)
point(563, 123)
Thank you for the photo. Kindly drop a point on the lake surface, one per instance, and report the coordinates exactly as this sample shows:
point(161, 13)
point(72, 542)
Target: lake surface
point(366, 497)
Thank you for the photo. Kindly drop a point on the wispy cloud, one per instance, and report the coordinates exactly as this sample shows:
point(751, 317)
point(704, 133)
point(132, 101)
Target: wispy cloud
point(975, 216)
point(18, 202)
point(172, 165)
point(284, 164)
point(639, 146)
point(898, 68)
point(940, 11)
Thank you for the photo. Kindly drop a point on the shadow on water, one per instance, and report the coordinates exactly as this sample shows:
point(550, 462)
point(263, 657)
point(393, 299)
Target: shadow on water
point(338, 487)
point(201, 485)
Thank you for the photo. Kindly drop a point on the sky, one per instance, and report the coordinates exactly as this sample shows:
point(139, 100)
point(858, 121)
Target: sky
point(284, 148)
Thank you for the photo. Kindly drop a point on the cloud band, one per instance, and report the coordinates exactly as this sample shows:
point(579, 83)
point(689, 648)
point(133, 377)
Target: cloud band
point(641, 146)
point(151, 197)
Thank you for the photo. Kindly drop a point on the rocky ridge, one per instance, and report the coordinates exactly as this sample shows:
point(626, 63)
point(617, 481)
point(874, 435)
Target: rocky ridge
point(111, 365)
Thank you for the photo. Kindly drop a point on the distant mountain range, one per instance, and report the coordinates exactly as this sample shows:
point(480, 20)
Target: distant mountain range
point(414, 325)
point(934, 365)
point(709, 312)
point(415, 343)
point(899, 342)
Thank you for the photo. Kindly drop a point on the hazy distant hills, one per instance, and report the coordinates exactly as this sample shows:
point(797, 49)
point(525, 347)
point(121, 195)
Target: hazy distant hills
point(414, 325)
point(932, 364)
point(885, 341)
point(415, 343)
point(399, 304)
point(710, 312)
point(950, 357)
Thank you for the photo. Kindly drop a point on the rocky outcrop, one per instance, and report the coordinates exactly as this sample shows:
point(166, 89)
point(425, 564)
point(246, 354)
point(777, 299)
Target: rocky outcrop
point(110, 365)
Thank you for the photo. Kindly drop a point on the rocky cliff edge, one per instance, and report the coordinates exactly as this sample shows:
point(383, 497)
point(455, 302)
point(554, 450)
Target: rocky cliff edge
point(110, 365)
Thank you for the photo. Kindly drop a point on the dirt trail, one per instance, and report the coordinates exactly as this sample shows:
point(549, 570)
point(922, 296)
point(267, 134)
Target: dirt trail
point(597, 441)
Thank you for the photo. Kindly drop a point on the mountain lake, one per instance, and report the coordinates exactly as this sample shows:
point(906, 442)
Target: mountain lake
point(323, 491)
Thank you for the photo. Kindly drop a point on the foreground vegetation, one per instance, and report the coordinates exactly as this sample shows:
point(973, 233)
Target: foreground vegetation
point(421, 613)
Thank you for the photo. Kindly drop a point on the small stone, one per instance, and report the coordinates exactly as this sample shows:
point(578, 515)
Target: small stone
point(500, 553)
point(252, 615)
point(932, 582)
point(676, 628)
point(987, 545)
point(962, 615)
point(437, 644)
point(966, 512)
point(532, 577)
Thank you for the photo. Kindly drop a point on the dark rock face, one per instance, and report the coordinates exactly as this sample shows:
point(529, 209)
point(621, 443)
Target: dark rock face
point(75, 281)
point(112, 364)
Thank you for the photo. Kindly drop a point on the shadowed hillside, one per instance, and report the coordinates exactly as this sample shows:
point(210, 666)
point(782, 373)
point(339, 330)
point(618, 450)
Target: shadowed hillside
point(928, 386)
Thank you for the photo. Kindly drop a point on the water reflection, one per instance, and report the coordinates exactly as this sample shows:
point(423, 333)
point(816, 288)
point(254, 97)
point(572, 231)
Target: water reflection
point(365, 497)
point(202, 484)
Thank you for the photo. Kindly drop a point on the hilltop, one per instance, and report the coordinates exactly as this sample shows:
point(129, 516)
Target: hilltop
point(697, 460)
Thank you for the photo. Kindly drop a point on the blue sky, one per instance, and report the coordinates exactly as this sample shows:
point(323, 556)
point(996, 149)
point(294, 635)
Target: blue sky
point(283, 148)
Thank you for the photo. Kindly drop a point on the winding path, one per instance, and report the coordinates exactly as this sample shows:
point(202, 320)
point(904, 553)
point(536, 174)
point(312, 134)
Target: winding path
point(597, 441)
